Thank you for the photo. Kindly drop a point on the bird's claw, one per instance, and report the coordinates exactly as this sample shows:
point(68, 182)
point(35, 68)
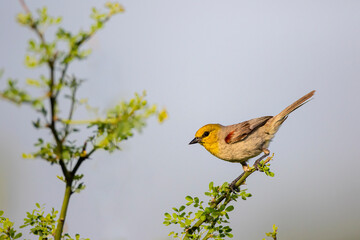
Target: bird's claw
point(257, 162)
point(233, 188)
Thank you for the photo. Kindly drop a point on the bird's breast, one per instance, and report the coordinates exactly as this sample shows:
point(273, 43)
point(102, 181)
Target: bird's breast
point(213, 148)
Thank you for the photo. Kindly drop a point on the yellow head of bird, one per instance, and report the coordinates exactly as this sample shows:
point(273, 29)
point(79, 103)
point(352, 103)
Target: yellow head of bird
point(208, 136)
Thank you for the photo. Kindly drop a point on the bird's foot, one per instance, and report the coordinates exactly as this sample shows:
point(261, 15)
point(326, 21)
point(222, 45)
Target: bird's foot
point(266, 151)
point(245, 167)
point(257, 162)
point(232, 185)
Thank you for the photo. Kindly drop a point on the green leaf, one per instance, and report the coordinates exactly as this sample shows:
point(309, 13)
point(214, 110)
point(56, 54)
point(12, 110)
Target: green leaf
point(28, 156)
point(275, 228)
point(188, 198)
point(19, 235)
point(229, 208)
point(24, 19)
point(222, 207)
point(31, 62)
point(32, 82)
point(163, 115)
point(61, 178)
point(66, 155)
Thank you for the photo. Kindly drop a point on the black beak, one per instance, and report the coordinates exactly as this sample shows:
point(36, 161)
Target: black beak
point(195, 140)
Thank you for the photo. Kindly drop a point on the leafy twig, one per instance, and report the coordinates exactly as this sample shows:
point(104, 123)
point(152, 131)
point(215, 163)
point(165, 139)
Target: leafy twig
point(209, 219)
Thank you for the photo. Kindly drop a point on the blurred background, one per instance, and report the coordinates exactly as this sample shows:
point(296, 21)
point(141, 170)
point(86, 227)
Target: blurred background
point(206, 62)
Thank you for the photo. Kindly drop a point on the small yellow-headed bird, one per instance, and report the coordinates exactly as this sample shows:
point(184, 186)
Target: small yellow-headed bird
point(245, 140)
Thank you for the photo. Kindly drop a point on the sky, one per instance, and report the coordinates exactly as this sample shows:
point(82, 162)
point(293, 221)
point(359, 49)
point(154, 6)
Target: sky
point(206, 62)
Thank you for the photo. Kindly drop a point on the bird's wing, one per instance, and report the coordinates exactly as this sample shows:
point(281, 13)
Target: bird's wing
point(240, 131)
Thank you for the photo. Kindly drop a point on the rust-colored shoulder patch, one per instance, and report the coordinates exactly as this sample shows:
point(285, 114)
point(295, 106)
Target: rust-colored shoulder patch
point(229, 136)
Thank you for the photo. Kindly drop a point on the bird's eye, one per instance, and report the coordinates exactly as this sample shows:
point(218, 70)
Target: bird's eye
point(206, 134)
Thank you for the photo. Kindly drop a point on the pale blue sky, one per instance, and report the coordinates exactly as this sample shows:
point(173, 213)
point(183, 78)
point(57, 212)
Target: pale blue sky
point(206, 62)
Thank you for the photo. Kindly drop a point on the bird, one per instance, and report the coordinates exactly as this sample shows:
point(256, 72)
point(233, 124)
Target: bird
point(242, 141)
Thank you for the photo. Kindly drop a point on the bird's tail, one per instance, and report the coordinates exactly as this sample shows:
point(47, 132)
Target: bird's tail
point(276, 121)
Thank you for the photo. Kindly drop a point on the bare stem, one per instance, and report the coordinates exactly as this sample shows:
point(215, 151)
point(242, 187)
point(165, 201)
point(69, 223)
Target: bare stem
point(207, 236)
point(62, 77)
point(24, 6)
point(65, 204)
point(82, 159)
point(71, 111)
